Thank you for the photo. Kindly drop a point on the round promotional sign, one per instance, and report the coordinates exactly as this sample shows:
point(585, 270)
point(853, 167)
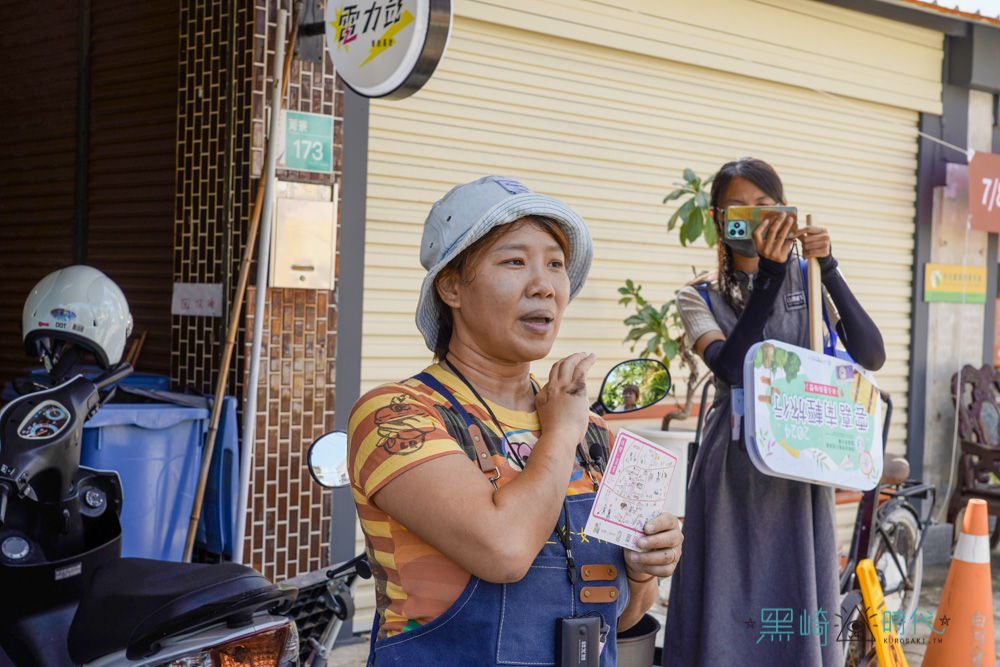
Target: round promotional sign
point(387, 48)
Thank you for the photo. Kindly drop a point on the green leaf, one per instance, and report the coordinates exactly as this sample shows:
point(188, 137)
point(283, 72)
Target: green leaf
point(685, 210)
point(683, 213)
point(689, 175)
point(652, 344)
point(672, 222)
point(676, 194)
point(670, 348)
point(625, 300)
point(703, 199)
point(693, 227)
point(629, 284)
point(711, 236)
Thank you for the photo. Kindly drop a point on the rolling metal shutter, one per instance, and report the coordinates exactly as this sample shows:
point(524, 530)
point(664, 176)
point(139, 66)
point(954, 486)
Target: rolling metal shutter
point(133, 126)
point(133, 162)
point(609, 130)
point(37, 158)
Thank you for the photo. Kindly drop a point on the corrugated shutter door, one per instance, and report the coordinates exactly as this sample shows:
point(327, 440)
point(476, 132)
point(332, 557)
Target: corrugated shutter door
point(38, 150)
point(609, 132)
point(132, 159)
point(133, 162)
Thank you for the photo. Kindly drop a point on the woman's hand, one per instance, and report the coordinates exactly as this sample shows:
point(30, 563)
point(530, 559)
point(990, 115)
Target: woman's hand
point(661, 549)
point(562, 404)
point(774, 237)
point(815, 241)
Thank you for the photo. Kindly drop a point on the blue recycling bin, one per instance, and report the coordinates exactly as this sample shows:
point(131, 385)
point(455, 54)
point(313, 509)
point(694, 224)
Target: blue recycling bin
point(217, 528)
point(157, 450)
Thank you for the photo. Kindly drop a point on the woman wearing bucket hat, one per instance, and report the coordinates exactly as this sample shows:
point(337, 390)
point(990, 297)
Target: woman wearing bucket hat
point(484, 561)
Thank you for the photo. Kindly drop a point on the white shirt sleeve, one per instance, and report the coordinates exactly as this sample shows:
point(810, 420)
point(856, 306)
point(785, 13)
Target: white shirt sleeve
point(695, 314)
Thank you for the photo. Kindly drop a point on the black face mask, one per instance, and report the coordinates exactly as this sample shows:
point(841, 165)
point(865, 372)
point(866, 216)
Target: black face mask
point(744, 247)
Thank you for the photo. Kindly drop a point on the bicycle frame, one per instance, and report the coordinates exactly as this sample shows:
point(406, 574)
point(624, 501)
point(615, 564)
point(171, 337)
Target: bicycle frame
point(867, 521)
point(899, 499)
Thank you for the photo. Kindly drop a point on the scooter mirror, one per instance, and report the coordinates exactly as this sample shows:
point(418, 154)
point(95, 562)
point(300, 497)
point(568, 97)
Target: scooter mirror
point(328, 460)
point(633, 385)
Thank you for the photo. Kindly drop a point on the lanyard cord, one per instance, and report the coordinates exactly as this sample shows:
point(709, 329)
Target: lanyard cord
point(564, 532)
point(564, 538)
point(581, 455)
point(458, 374)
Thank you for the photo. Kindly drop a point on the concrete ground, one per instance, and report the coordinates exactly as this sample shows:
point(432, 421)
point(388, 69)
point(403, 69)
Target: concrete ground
point(355, 655)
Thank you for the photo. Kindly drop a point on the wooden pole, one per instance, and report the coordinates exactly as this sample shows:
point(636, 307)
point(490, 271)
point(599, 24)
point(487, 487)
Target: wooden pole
point(815, 302)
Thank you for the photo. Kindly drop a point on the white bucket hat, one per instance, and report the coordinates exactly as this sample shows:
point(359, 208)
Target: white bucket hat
point(468, 212)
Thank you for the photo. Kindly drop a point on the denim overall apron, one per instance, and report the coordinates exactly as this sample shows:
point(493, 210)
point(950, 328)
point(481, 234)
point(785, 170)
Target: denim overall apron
point(515, 623)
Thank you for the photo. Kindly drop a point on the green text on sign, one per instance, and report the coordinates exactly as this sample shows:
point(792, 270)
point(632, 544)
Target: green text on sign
point(308, 142)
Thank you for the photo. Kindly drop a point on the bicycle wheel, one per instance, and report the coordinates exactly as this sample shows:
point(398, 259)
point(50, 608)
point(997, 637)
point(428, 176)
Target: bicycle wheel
point(854, 634)
point(903, 532)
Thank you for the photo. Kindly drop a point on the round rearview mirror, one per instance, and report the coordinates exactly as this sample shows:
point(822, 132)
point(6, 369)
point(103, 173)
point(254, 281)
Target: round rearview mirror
point(634, 384)
point(328, 460)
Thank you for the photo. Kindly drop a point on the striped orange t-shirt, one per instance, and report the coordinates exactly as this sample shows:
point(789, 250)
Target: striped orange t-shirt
point(399, 425)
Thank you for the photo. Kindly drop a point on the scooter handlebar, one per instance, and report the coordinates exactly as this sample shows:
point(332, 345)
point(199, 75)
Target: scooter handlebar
point(116, 374)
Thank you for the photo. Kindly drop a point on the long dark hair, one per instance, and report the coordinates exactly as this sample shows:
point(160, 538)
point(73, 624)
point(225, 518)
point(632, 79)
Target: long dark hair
point(764, 177)
point(463, 265)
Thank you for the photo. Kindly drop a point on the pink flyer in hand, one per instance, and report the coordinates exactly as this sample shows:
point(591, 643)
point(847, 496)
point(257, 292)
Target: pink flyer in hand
point(633, 490)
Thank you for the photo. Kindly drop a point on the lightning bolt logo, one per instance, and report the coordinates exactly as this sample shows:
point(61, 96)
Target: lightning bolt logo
point(387, 40)
point(344, 32)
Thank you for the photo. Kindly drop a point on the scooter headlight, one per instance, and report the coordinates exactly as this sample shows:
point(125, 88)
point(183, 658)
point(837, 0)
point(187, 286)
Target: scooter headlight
point(275, 647)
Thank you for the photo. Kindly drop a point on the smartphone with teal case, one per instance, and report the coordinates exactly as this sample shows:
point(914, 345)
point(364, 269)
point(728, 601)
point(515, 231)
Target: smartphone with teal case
point(742, 221)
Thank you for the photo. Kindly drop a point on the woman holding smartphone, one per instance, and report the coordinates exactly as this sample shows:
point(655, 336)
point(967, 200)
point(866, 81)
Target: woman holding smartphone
point(759, 579)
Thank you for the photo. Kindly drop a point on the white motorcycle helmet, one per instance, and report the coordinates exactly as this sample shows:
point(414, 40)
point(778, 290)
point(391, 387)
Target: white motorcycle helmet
point(78, 305)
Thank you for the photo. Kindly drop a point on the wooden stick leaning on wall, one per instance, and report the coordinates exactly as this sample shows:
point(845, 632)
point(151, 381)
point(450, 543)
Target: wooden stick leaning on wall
point(815, 301)
point(135, 349)
point(234, 317)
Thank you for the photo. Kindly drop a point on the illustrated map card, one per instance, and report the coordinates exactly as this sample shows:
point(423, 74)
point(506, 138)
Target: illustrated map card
point(812, 417)
point(633, 490)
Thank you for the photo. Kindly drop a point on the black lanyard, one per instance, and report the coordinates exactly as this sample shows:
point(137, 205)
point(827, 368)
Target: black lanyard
point(582, 455)
point(563, 531)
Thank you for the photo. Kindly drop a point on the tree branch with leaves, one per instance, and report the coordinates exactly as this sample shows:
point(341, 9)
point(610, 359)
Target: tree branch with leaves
point(659, 330)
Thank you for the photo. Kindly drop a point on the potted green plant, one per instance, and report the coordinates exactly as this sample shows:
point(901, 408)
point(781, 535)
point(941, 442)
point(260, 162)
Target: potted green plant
point(657, 330)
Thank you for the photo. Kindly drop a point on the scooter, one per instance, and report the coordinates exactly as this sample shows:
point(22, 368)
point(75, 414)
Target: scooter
point(68, 598)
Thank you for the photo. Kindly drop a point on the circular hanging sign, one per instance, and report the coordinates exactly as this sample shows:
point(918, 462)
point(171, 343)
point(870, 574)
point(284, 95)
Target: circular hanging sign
point(387, 48)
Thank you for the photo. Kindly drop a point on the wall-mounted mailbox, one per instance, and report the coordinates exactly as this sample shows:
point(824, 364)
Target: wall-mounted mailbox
point(303, 250)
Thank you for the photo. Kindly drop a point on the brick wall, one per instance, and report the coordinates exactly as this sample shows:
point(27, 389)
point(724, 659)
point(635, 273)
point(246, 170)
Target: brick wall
point(289, 516)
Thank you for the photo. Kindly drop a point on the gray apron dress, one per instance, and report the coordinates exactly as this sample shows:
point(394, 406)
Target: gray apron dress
point(759, 551)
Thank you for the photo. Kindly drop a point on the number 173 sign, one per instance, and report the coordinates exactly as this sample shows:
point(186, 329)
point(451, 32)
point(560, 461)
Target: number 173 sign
point(308, 142)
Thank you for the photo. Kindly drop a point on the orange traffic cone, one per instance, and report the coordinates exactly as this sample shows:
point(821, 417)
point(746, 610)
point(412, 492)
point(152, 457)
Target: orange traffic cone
point(962, 634)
